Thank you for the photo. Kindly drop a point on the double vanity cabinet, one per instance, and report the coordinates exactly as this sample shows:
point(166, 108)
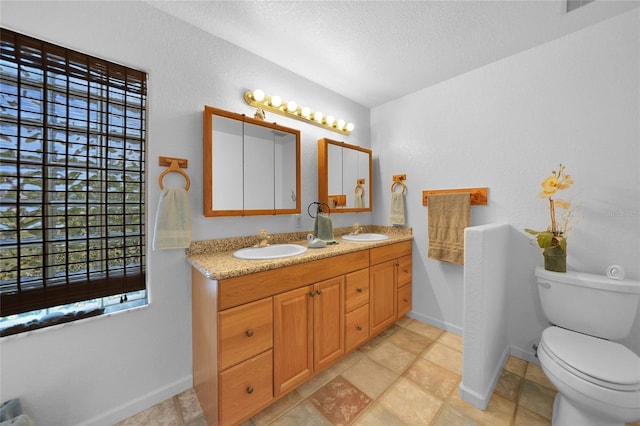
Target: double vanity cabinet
point(259, 335)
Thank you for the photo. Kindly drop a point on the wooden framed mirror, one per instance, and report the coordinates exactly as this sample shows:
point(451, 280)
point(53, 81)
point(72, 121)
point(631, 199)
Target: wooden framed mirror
point(251, 167)
point(344, 176)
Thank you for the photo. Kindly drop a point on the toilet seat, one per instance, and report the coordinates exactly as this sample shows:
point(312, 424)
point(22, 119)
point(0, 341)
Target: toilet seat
point(586, 357)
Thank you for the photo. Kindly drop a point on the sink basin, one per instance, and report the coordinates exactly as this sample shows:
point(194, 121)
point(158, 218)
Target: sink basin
point(366, 237)
point(274, 251)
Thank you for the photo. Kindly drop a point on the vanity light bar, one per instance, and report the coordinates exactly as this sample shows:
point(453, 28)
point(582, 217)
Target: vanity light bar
point(276, 104)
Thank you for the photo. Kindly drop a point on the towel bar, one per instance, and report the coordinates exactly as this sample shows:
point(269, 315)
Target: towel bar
point(397, 180)
point(175, 165)
point(479, 196)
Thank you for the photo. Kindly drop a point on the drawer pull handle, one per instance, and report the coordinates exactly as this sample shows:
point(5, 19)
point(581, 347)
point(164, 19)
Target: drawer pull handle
point(318, 291)
point(250, 389)
point(359, 328)
point(311, 293)
point(249, 333)
point(359, 290)
point(406, 271)
point(406, 300)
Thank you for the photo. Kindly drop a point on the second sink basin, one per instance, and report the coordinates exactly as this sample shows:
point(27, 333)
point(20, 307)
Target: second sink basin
point(365, 237)
point(274, 251)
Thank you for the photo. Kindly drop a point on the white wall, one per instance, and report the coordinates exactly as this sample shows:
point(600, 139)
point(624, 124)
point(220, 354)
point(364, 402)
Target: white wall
point(506, 126)
point(101, 370)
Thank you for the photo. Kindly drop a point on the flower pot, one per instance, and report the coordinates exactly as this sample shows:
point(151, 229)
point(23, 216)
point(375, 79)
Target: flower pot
point(555, 259)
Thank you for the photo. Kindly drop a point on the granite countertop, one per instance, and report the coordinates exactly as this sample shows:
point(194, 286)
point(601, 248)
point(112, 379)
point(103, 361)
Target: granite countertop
point(214, 258)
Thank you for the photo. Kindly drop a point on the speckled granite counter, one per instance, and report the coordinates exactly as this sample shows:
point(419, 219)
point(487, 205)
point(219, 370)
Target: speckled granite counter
point(214, 258)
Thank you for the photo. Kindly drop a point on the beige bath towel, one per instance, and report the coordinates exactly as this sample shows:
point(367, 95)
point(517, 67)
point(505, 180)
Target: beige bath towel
point(173, 220)
point(397, 208)
point(447, 216)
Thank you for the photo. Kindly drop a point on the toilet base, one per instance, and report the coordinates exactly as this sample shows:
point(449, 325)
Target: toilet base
point(566, 414)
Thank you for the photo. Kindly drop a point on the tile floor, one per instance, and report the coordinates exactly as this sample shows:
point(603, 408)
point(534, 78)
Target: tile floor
point(409, 375)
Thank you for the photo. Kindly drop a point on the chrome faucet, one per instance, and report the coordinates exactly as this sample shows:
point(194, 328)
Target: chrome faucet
point(263, 238)
point(355, 229)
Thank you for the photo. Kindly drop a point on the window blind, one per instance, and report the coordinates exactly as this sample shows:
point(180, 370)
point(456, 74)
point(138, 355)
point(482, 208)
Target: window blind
point(72, 176)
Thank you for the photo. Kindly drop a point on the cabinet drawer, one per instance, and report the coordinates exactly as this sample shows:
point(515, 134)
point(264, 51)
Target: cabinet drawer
point(245, 331)
point(404, 300)
point(404, 271)
point(246, 388)
point(357, 327)
point(389, 252)
point(357, 291)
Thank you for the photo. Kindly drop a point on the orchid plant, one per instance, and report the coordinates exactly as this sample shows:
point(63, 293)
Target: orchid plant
point(555, 235)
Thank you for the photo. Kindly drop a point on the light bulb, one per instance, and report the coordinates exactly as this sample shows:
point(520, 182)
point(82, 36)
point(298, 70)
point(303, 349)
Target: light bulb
point(258, 95)
point(330, 120)
point(350, 127)
point(341, 124)
point(306, 112)
point(318, 116)
point(292, 106)
point(276, 101)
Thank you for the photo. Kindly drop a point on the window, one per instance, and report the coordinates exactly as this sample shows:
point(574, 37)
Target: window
point(72, 181)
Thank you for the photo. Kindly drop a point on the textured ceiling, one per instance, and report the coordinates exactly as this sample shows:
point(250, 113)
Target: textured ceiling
point(376, 51)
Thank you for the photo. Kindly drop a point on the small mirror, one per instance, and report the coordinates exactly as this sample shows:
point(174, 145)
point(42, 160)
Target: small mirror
point(344, 176)
point(251, 167)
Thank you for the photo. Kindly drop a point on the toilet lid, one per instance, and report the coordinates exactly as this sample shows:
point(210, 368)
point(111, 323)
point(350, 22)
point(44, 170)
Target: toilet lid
point(599, 361)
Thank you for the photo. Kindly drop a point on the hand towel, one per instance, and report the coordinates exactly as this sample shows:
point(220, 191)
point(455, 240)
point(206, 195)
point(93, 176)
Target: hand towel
point(173, 220)
point(397, 208)
point(359, 200)
point(323, 228)
point(448, 215)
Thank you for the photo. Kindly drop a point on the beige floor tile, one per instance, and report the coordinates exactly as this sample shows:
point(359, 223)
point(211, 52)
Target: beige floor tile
point(525, 417)
point(536, 374)
point(435, 380)
point(370, 377)
point(445, 357)
point(392, 357)
point(371, 344)
point(302, 414)
point(409, 341)
point(451, 340)
point(377, 415)
point(499, 412)
point(317, 382)
point(188, 405)
point(277, 409)
point(516, 366)
point(537, 398)
point(509, 385)
point(162, 414)
point(423, 329)
point(450, 416)
point(347, 361)
point(404, 321)
point(409, 403)
point(200, 421)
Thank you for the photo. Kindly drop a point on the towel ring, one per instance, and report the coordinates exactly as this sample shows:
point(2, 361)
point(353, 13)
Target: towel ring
point(319, 208)
point(174, 168)
point(393, 185)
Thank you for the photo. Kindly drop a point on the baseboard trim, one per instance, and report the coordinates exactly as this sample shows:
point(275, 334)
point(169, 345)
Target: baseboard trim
point(141, 403)
point(452, 328)
point(526, 355)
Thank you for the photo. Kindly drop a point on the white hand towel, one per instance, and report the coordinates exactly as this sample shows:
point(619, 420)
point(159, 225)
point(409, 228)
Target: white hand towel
point(397, 208)
point(173, 220)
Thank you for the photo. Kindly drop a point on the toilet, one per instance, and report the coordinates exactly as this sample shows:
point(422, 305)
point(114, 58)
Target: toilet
point(598, 380)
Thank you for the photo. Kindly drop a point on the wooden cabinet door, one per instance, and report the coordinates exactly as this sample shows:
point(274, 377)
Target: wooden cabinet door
point(328, 315)
point(382, 293)
point(292, 339)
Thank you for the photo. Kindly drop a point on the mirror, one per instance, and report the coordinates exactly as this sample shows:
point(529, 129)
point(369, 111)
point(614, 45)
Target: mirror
point(251, 167)
point(344, 176)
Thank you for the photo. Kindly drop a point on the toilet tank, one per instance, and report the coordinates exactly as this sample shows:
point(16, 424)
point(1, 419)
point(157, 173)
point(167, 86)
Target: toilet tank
point(587, 303)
